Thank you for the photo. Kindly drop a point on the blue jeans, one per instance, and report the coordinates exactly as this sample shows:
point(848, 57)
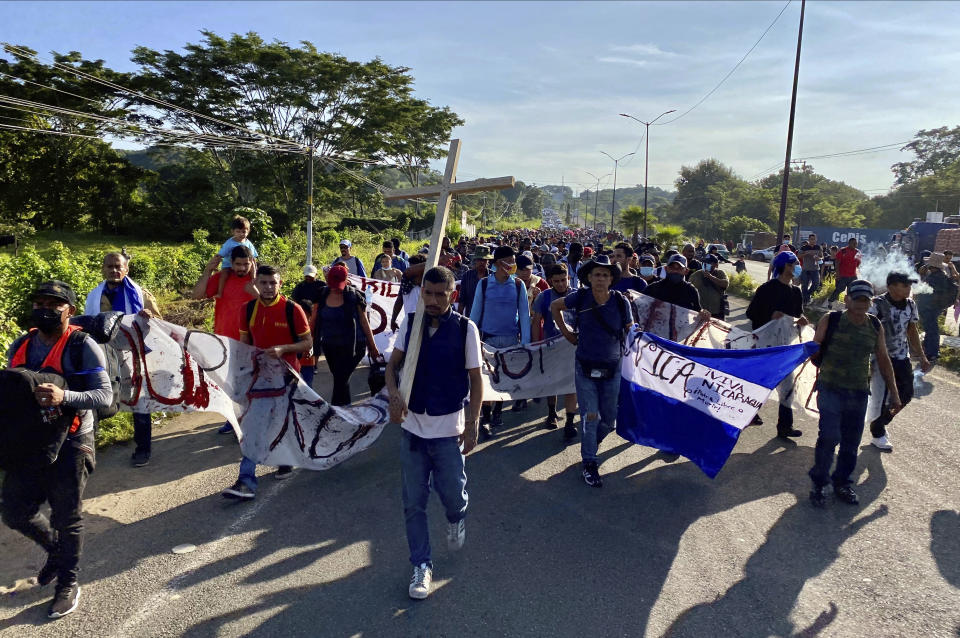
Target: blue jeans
point(419, 458)
point(142, 432)
point(809, 283)
point(600, 398)
point(308, 372)
point(841, 422)
point(931, 331)
point(248, 473)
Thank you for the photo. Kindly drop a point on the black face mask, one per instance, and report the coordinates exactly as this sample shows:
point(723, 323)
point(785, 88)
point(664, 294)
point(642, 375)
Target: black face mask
point(45, 319)
point(674, 277)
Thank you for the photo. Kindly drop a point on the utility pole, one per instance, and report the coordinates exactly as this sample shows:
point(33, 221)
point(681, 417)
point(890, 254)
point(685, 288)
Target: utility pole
point(616, 163)
point(803, 179)
point(596, 199)
point(793, 111)
point(309, 259)
point(646, 170)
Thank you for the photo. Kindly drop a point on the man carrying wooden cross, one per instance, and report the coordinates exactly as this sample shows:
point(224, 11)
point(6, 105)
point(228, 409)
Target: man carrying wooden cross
point(433, 421)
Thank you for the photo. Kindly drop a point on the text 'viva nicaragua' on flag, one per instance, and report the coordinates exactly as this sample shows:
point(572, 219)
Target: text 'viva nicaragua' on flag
point(695, 401)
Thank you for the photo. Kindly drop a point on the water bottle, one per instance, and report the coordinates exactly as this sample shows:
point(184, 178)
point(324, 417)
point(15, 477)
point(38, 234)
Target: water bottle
point(368, 294)
point(917, 380)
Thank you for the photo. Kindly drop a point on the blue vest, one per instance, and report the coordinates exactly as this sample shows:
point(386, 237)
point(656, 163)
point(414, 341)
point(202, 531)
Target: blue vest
point(441, 383)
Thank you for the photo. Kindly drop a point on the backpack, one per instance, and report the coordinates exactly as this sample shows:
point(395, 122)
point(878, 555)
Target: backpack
point(29, 437)
point(521, 298)
point(832, 323)
point(101, 327)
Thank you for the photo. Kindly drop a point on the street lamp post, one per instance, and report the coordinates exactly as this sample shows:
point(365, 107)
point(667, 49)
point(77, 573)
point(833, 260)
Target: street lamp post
point(646, 170)
point(616, 163)
point(596, 199)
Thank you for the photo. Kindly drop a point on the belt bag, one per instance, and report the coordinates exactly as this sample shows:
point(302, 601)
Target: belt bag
point(599, 370)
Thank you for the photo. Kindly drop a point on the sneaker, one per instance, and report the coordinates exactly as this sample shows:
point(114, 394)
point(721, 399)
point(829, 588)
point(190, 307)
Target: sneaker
point(239, 491)
point(484, 432)
point(591, 474)
point(47, 573)
point(818, 498)
point(792, 433)
point(551, 423)
point(846, 494)
point(496, 421)
point(883, 443)
point(226, 428)
point(456, 534)
point(139, 459)
point(756, 420)
point(420, 582)
point(283, 472)
point(569, 430)
point(64, 601)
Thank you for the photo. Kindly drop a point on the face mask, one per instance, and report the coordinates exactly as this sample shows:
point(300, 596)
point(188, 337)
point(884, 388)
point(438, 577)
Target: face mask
point(707, 267)
point(674, 277)
point(45, 319)
point(510, 269)
point(797, 270)
point(646, 271)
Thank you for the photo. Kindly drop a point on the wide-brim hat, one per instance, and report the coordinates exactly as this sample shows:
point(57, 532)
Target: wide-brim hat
point(481, 252)
point(600, 261)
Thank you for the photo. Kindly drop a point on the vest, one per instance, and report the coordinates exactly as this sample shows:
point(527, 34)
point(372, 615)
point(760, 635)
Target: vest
point(441, 383)
point(53, 362)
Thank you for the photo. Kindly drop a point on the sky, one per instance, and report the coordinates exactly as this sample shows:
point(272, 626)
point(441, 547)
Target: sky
point(540, 84)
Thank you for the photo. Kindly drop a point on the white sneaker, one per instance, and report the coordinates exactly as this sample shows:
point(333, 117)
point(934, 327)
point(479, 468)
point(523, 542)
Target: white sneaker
point(456, 534)
point(420, 581)
point(882, 442)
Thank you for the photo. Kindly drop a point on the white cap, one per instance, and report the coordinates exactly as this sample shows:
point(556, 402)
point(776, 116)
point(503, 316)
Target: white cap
point(310, 271)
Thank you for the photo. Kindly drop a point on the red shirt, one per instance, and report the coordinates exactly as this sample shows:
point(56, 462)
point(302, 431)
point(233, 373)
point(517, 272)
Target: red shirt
point(268, 326)
point(230, 304)
point(848, 260)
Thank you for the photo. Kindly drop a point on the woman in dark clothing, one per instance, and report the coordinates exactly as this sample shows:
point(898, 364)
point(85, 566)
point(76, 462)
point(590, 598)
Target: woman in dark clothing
point(341, 330)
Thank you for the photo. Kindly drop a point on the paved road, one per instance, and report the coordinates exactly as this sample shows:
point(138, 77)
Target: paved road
point(660, 550)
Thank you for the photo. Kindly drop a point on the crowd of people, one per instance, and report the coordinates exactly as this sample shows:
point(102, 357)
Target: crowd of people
point(515, 288)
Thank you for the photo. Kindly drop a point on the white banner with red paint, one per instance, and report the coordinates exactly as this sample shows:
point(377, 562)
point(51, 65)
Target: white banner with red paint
point(279, 419)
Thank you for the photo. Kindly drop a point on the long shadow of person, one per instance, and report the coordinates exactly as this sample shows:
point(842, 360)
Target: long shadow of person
point(801, 545)
point(945, 544)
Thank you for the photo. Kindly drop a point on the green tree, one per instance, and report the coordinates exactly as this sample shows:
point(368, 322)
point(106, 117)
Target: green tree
point(936, 149)
point(632, 218)
point(737, 225)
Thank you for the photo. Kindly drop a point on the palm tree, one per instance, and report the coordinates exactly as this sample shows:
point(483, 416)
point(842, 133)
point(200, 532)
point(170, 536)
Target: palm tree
point(632, 217)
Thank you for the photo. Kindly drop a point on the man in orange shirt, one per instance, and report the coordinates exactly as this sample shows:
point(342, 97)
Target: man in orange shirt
point(279, 327)
point(237, 291)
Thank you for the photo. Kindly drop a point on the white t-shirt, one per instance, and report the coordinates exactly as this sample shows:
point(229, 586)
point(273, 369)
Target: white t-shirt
point(435, 427)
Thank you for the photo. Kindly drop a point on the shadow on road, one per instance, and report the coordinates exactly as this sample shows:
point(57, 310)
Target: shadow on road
point(945, 544)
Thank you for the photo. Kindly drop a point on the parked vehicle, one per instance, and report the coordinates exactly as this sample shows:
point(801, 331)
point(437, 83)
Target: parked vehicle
point(721, 250)
point(766, 254)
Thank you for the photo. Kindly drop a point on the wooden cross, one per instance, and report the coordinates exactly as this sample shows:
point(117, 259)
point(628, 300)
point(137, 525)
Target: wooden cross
point(443, 190)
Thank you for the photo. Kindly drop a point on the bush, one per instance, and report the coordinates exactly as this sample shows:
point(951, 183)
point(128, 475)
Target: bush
point(742, 285)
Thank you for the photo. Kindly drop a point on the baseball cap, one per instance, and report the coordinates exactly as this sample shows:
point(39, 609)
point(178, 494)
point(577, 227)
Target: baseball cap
point(524, 262)
point(337, 277)
point(647, 257)
point(860, 288)
point(677, 259)
point(309, 270)
point(58, 290)
point(900, 278)
point(711, 259)
point(346, 242)
point(588, 251)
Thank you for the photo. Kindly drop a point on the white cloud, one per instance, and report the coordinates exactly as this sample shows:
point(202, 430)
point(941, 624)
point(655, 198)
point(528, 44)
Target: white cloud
point(619, 60)
point(644, 49)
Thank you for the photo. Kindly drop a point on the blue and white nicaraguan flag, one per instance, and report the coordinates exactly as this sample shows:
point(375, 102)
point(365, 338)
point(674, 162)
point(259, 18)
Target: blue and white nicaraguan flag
point(695, 401)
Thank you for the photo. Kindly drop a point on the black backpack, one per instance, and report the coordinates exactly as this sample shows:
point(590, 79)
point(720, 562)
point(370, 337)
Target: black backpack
point(101, 328)
point(27, 438)
point(832, 323)
point(945, 289)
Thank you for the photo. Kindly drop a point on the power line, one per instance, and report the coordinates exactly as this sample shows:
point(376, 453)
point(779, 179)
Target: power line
point(736, 66)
